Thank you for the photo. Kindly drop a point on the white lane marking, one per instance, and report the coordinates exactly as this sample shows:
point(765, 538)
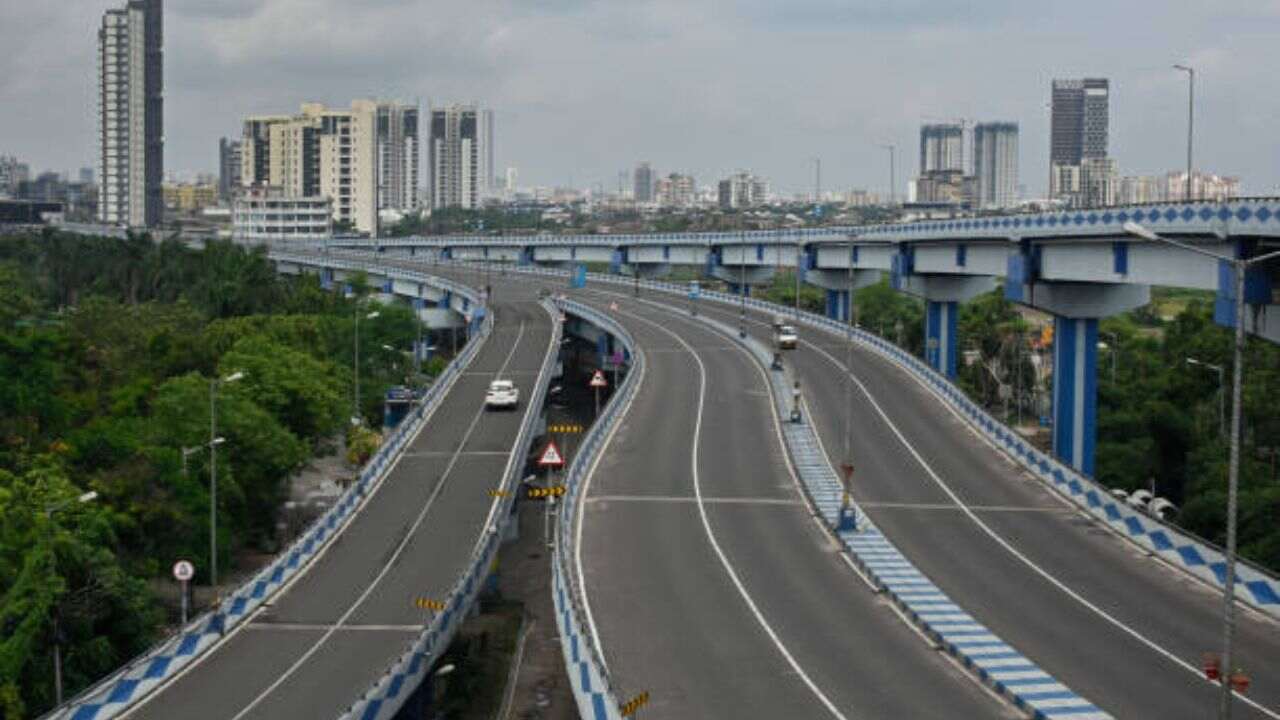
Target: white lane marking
point(261, 625)
point(975, 508)
point(391, 561)
point(168, 682)
point(711, 536)
point(1049, 577)
point(691, 499)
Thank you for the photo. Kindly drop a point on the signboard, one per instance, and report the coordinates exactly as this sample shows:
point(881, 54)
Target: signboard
point(183, 571)
point(694, 290)
point(598, 381)
point(551, 456)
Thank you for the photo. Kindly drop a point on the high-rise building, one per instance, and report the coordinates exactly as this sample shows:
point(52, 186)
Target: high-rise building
point(1078, 131)
point(229, 170)
point(460, 155)
point(398, 157)
point(320, 152)
point(995, 164)
point(941, 148)
point(131, 114)
point(1099, 182)
point(675, 190)
point(510, 185)
point(12, 174)
point(86, 175)
point(742, 189)
point(642, 183)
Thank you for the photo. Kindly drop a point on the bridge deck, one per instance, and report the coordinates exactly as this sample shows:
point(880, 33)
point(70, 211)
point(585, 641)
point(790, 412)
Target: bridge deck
point(329, 636)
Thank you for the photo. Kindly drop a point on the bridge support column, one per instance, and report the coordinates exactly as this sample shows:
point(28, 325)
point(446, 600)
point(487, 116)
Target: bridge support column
point(940, 335)
point(838, 305)
point(1075, 391)
point(1076, 307)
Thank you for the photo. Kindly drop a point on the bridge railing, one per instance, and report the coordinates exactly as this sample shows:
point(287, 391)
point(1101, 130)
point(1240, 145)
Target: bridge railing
point(593, 689)
point(139, 677)
point(389, 692)
point(1197, 556)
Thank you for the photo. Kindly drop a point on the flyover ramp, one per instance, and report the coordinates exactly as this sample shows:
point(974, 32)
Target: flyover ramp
point(1141, 660)
point(671, 618)
point(330, 635)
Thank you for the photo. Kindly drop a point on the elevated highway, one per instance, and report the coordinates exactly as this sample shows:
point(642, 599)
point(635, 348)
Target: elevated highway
point(1115, 624)
point(330, 635)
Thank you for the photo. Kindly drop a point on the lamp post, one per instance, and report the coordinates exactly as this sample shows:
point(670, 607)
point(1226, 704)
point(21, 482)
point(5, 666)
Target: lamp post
point(893, 167)
point(214, 442)
point(799, 258)
point(742, 287)
point(49, 512)
point(1191, 106)
point(848, 381)
point(1238, 266)
point(1222, 391)
point(1115, 352)
point(355, 365)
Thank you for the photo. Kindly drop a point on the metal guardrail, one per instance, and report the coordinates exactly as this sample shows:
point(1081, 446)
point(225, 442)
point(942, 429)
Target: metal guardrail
point(141, 676)
point(592, 686)
point(1179, 548)
point(387, 694)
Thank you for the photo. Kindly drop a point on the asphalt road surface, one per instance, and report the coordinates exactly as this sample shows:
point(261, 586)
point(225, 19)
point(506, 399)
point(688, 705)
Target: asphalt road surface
point(331, 634)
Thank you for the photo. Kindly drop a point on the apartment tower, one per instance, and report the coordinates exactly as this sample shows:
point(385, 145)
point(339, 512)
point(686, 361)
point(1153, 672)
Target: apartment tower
point(995, 164)
point(460, 155)
point(131, 115)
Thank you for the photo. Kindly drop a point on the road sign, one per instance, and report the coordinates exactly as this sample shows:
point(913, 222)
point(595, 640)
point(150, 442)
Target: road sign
point(183, 571)
point(598, 381)
point(498, 493)
point(613, 306)
point(846, 469)
point(429, 604)
point(551, 456)
point(565, 428)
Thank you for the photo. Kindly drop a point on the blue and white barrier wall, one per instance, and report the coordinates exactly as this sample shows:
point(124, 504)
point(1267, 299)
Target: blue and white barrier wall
point(119, 691)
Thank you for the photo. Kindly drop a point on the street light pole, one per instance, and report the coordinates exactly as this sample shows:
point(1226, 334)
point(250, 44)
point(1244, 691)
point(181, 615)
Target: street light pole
point(1115, 351)
point(1239, 266)
point(799, 247)
point(742, 287)
point(355, 365)
point(1191, 105)
point(49, 512)
point(1222, 392)
point(214, 384)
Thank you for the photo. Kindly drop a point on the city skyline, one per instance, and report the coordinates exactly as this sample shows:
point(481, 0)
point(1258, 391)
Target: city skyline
point(220, 67)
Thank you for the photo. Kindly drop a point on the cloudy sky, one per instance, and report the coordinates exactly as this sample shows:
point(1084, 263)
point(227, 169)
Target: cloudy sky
point(585, 88)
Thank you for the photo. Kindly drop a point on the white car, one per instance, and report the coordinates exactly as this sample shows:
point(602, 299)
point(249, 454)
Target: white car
point(502, 395)
point(785, 337)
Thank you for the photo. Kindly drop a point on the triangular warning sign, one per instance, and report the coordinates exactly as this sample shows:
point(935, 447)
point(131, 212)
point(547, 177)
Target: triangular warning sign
point(551, 456)
point(613, 306)
point(598, 381)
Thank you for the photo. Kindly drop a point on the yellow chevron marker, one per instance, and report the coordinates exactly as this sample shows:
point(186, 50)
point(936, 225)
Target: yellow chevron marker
point(498, 493)
point(570, 428)
point(429, 604)
point(630, 707)
point(541, 493)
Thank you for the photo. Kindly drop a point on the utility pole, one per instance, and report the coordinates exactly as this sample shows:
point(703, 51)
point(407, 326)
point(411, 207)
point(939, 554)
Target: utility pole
point(1191, 107)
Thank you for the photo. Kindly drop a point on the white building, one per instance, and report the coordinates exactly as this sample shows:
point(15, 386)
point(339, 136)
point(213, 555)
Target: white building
point(260, 215)
point(742, 190)
point(131, 115)
point(675, 190)
point(460, 156)
point(323, 152)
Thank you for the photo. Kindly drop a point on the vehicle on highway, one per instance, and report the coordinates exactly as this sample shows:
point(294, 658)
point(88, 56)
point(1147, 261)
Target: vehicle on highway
point(785, 337)
point(502, 395)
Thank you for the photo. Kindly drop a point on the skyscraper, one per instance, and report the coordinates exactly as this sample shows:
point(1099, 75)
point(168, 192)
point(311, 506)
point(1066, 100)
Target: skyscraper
point(1079, 121)
point(995, 164)
point(398, 157)
point(642, 180)
point(229, 171)
point(131, 114)
point(1078, 128)
point(941, 148)
point(460, 155)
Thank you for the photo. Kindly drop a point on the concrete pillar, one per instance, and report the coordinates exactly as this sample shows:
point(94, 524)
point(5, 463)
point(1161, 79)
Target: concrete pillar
point(1075, 391)
point(838, 305)
point(941, 335)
